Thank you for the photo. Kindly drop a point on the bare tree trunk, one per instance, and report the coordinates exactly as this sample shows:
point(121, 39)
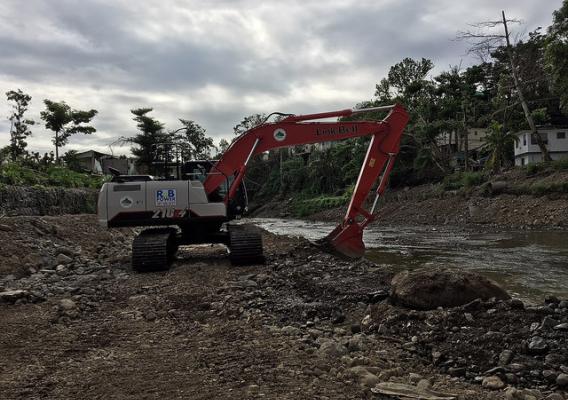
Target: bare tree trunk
point(528, 116)
point(465, 141)
point(57, 147)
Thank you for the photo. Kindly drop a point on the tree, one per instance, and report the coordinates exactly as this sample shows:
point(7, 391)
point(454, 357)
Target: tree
point(556, 53)
point(223, 146)
point(20, 125)
point(151, 134)
point(252, 121)
point(72, 161)
point(500, 145)
point(65, 122)
point(490, 42)
point(193, 142)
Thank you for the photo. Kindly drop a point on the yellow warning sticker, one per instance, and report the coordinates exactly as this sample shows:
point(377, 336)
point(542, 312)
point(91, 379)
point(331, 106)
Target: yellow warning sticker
point(372, 163)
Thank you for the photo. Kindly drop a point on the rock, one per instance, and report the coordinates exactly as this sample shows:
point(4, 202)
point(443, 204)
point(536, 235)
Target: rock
point(389, 373)
point(561, 327)
point(63, 259)
point(68, 308)
point(511, 378)
point(333, 349)
point(551, 299)
point(377, 296)
point(150, 315)
point(356, 343)
point(141, 301)
point(563, 304)
point(355, 328)
point(538, 345)
point(290, 330)
point(364, 376)
point(361, 360)
point(428, 289)
point(554, 396)
point(505, 357)
point(562, 380)
point(61, 270)
point(516, 367)
point(553, 359)
point(548, 323)
point(456, 371)
point(517, 304)
point(493, 383)
point(5, 228)
point(67, 304)
point(11, 296)
point(414, 378)
point(525, 394)
point(549, 375)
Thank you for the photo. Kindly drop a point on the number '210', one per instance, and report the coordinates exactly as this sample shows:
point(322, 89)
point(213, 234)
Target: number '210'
point(170, 213)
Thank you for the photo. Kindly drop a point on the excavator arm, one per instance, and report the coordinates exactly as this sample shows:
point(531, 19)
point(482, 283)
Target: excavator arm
point(347, 237)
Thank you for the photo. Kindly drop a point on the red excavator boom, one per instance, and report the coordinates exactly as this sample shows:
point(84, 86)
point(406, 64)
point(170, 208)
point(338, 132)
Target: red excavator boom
point(347, 237)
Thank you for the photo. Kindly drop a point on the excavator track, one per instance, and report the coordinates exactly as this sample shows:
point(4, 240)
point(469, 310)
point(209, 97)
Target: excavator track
point(154, 249)
point(245, 247)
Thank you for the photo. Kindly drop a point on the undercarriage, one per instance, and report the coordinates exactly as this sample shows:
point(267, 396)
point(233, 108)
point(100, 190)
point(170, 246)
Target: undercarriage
point(155, 249)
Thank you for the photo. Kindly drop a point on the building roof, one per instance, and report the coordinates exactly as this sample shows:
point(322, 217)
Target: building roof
point(91, 153)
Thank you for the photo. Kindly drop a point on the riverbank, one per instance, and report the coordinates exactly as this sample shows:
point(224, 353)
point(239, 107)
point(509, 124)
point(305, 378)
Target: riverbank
point(78, 322)
point(510, 200)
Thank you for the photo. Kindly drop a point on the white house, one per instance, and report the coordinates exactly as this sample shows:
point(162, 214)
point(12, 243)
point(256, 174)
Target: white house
point(528, 152)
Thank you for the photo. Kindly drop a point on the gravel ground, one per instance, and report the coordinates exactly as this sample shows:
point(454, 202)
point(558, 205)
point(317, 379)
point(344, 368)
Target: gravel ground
point(77, 322)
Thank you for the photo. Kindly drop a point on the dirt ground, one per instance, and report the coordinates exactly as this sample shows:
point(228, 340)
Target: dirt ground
point(77, 322)
point(431, 205)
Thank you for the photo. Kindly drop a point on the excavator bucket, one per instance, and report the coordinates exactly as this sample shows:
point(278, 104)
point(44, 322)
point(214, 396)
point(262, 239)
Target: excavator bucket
point(345, 241)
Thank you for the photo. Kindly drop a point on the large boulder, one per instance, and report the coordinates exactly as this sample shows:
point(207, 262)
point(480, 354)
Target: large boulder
point(426, 289)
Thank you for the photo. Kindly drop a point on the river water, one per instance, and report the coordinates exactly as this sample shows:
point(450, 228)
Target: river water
point(529, 264)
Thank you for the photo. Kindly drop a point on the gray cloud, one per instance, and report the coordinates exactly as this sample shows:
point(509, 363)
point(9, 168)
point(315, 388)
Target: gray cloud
point(218, 61)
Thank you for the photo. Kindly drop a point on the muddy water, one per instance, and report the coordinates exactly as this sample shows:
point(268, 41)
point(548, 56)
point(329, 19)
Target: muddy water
point(529, 265)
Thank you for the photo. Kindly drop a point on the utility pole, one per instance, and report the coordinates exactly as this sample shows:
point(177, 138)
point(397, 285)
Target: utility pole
point(528, 116)
point(465, 140)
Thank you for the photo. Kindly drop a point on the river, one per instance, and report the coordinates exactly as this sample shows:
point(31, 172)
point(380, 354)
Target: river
point(529, 264)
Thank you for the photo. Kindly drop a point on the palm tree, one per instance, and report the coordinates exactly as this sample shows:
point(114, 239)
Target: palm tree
point(499, 143)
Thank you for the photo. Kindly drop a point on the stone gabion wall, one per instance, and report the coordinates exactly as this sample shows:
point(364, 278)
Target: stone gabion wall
point(23, 200)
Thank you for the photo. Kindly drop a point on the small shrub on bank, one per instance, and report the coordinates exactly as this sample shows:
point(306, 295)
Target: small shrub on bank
point(459, 180)
point(557, 165)
point(303, 207)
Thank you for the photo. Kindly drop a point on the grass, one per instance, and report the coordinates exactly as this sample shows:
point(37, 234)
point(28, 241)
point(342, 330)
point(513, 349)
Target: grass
point(304, 204)
point(557, 165)
point(16, 174)
point(460, 180)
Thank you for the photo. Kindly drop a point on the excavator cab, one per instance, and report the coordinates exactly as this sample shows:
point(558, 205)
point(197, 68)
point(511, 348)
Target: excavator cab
point(200, 169)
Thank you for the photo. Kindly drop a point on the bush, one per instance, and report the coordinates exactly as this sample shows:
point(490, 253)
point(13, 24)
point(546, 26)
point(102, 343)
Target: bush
point(459, 180)
point(16, 174)
point(304, 207)
point(557, 165)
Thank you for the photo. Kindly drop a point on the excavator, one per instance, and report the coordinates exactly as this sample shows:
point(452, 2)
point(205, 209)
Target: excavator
point(195, 207)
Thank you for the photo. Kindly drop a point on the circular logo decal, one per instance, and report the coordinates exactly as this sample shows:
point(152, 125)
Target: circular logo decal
point(279, 134)
point(126, 202)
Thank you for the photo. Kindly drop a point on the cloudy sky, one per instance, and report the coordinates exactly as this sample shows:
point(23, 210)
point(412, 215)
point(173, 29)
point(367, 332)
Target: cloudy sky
point(216, 61)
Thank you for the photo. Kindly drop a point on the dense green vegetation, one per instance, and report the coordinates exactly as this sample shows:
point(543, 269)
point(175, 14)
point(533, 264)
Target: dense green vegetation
point(17, 174)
